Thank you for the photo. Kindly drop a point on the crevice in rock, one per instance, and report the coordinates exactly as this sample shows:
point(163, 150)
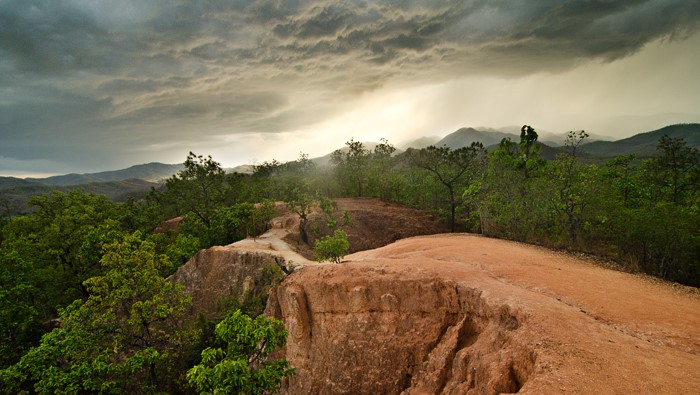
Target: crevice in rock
point(437, 338)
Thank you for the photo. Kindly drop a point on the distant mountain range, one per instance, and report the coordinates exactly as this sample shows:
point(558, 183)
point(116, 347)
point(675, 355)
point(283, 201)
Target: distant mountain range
point(464, 137)
point(642, 144)
point(119, 184)
point(153, 172)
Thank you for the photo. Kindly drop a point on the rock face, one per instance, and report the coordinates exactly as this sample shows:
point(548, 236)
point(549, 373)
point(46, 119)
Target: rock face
point(378, 333)
point(219, 276)
point(460, 314)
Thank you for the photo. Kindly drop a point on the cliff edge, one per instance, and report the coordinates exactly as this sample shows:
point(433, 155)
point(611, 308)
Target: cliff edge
point(463, 314)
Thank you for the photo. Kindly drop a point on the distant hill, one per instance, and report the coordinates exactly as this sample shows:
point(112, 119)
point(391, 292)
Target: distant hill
point(152, 172)
point(11, 182)
point(464, 137)
point(644, 144)
point(117, 191)
point(421, 142)
point(325, 160)
point(240, 169)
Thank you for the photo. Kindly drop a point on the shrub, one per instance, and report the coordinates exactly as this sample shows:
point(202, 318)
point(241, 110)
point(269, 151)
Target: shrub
point(332, 248)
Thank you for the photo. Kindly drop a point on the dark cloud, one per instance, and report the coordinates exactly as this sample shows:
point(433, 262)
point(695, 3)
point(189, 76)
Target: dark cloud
point(73, 72)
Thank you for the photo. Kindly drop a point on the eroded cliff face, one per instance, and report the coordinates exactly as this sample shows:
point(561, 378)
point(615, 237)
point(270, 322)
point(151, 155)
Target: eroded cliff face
point(355, 329)
point(218, 277)
point(462, 314)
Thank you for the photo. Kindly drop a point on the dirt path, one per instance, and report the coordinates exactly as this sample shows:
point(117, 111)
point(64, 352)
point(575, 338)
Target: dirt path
point(273, 242)
point(593, 330)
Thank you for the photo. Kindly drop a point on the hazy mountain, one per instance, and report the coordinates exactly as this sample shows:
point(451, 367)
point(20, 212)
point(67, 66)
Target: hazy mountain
point(325, 160)
point(557, 140)
point(152, 172)
point(465, 136)
point(117, 191)
point(421, 142)
point(644, 144)
point(241, 169)
point(11, 182)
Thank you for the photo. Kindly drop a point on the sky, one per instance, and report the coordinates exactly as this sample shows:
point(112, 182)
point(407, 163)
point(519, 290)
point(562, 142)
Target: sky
point(95, 85)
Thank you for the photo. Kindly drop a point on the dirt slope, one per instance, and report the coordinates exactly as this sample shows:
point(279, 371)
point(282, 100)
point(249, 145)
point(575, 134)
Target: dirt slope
point(467, 314)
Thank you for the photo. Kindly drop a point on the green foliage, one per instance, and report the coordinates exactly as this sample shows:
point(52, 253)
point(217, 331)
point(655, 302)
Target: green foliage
point(452, 168)
point(199, 189)
point(301, 202)
point(181, 250)
point(121, 339)
point(332, 248)
point(351, 168)
point(676, 172)
point(242, 364)
point(61, 244)
point(644, 216)
point(19, 325)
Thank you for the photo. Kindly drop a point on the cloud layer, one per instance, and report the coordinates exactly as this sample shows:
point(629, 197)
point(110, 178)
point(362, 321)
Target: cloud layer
point(80, 79)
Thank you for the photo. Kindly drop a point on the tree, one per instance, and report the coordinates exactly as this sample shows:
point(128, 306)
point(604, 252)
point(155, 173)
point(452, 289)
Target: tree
point(451, 167)
point(242, 365)
point(677, 170)
point(575, 185)
point(381, 176)
point(200, 188)
point(302, 203)
point(120, 339)
point(19, 324)
point(61, 243)
point(332, 248)
point(351, 167)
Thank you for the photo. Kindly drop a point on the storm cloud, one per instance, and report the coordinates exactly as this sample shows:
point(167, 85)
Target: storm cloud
point(84, 80)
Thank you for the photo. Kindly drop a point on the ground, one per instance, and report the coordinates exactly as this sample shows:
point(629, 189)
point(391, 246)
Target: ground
point(589, 329)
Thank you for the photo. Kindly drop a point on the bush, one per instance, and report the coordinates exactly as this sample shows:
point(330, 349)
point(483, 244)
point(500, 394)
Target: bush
point(332, 248)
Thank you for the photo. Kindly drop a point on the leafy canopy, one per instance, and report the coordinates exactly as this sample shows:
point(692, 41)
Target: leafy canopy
point(242, 365)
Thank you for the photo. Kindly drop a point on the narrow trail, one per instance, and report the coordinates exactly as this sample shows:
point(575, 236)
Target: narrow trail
point(272, 241)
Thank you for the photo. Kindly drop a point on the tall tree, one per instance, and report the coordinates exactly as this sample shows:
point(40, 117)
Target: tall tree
point(451, 167)
point(200, 188)
point(575, 184)
point(677, 170)
point(351, 167)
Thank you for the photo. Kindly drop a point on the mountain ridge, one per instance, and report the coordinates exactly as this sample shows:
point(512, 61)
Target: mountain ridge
point(152, 172)
point(643, 144)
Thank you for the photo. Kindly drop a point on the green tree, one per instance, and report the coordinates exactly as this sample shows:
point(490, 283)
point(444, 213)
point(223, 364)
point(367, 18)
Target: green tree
point(623, 177)
point(302, 203)
point(575, 186)
point(19, 324)
point(381, 179)
point(61, 243)
point(351, 167)
point(676, 172)
point(451, 168)
point(121, 339)
point(243, 363)
point(514, 193)
point(332, 248)
point(199, 189)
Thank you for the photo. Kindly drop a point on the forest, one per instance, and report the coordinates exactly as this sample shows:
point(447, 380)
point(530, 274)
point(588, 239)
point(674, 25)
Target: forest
point(85, 305)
